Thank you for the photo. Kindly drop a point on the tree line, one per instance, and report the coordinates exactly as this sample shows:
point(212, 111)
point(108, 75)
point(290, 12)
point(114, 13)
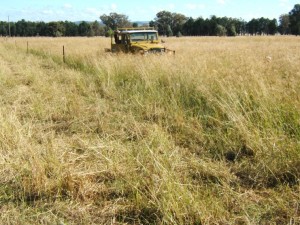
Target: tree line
point(167, 23)
point(171, 24)
point(24, 28)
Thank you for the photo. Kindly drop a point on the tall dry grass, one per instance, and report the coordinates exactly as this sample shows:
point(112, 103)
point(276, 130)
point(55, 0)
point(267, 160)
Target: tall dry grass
point(210, 136)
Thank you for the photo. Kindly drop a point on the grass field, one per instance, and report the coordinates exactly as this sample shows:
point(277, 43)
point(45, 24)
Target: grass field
point(210, 136)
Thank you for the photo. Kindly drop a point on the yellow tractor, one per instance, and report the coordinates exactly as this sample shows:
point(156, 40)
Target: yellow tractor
point(140, 40)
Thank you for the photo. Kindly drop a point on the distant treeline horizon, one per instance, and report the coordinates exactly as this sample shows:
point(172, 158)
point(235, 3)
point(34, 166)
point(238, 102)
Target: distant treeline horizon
point(167, 23)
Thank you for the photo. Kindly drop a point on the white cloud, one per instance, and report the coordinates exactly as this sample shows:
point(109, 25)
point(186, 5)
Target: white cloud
point(193, 6)
point(113, 6)
point(68, 6)
point(283, 3)
point(48, 12)
point(93, 11)
point(221, 2)
point(171, 6)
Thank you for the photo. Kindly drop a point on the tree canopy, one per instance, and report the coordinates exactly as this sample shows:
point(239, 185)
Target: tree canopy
point(284, 21)
point(115, 20)
point(294, 17)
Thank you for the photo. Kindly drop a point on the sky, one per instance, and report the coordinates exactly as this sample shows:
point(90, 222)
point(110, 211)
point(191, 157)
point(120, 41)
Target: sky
point(140, 10)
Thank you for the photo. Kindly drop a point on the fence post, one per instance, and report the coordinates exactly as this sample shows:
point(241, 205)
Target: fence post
point(64, 58)
point(27, 47)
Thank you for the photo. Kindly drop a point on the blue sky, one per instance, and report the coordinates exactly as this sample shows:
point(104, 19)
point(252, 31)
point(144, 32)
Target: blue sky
point(139, 10)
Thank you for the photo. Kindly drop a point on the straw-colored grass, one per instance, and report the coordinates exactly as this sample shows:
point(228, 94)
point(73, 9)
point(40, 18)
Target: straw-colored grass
point(209, 136)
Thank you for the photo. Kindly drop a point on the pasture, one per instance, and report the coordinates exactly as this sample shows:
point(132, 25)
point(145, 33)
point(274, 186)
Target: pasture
point(208, 136)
